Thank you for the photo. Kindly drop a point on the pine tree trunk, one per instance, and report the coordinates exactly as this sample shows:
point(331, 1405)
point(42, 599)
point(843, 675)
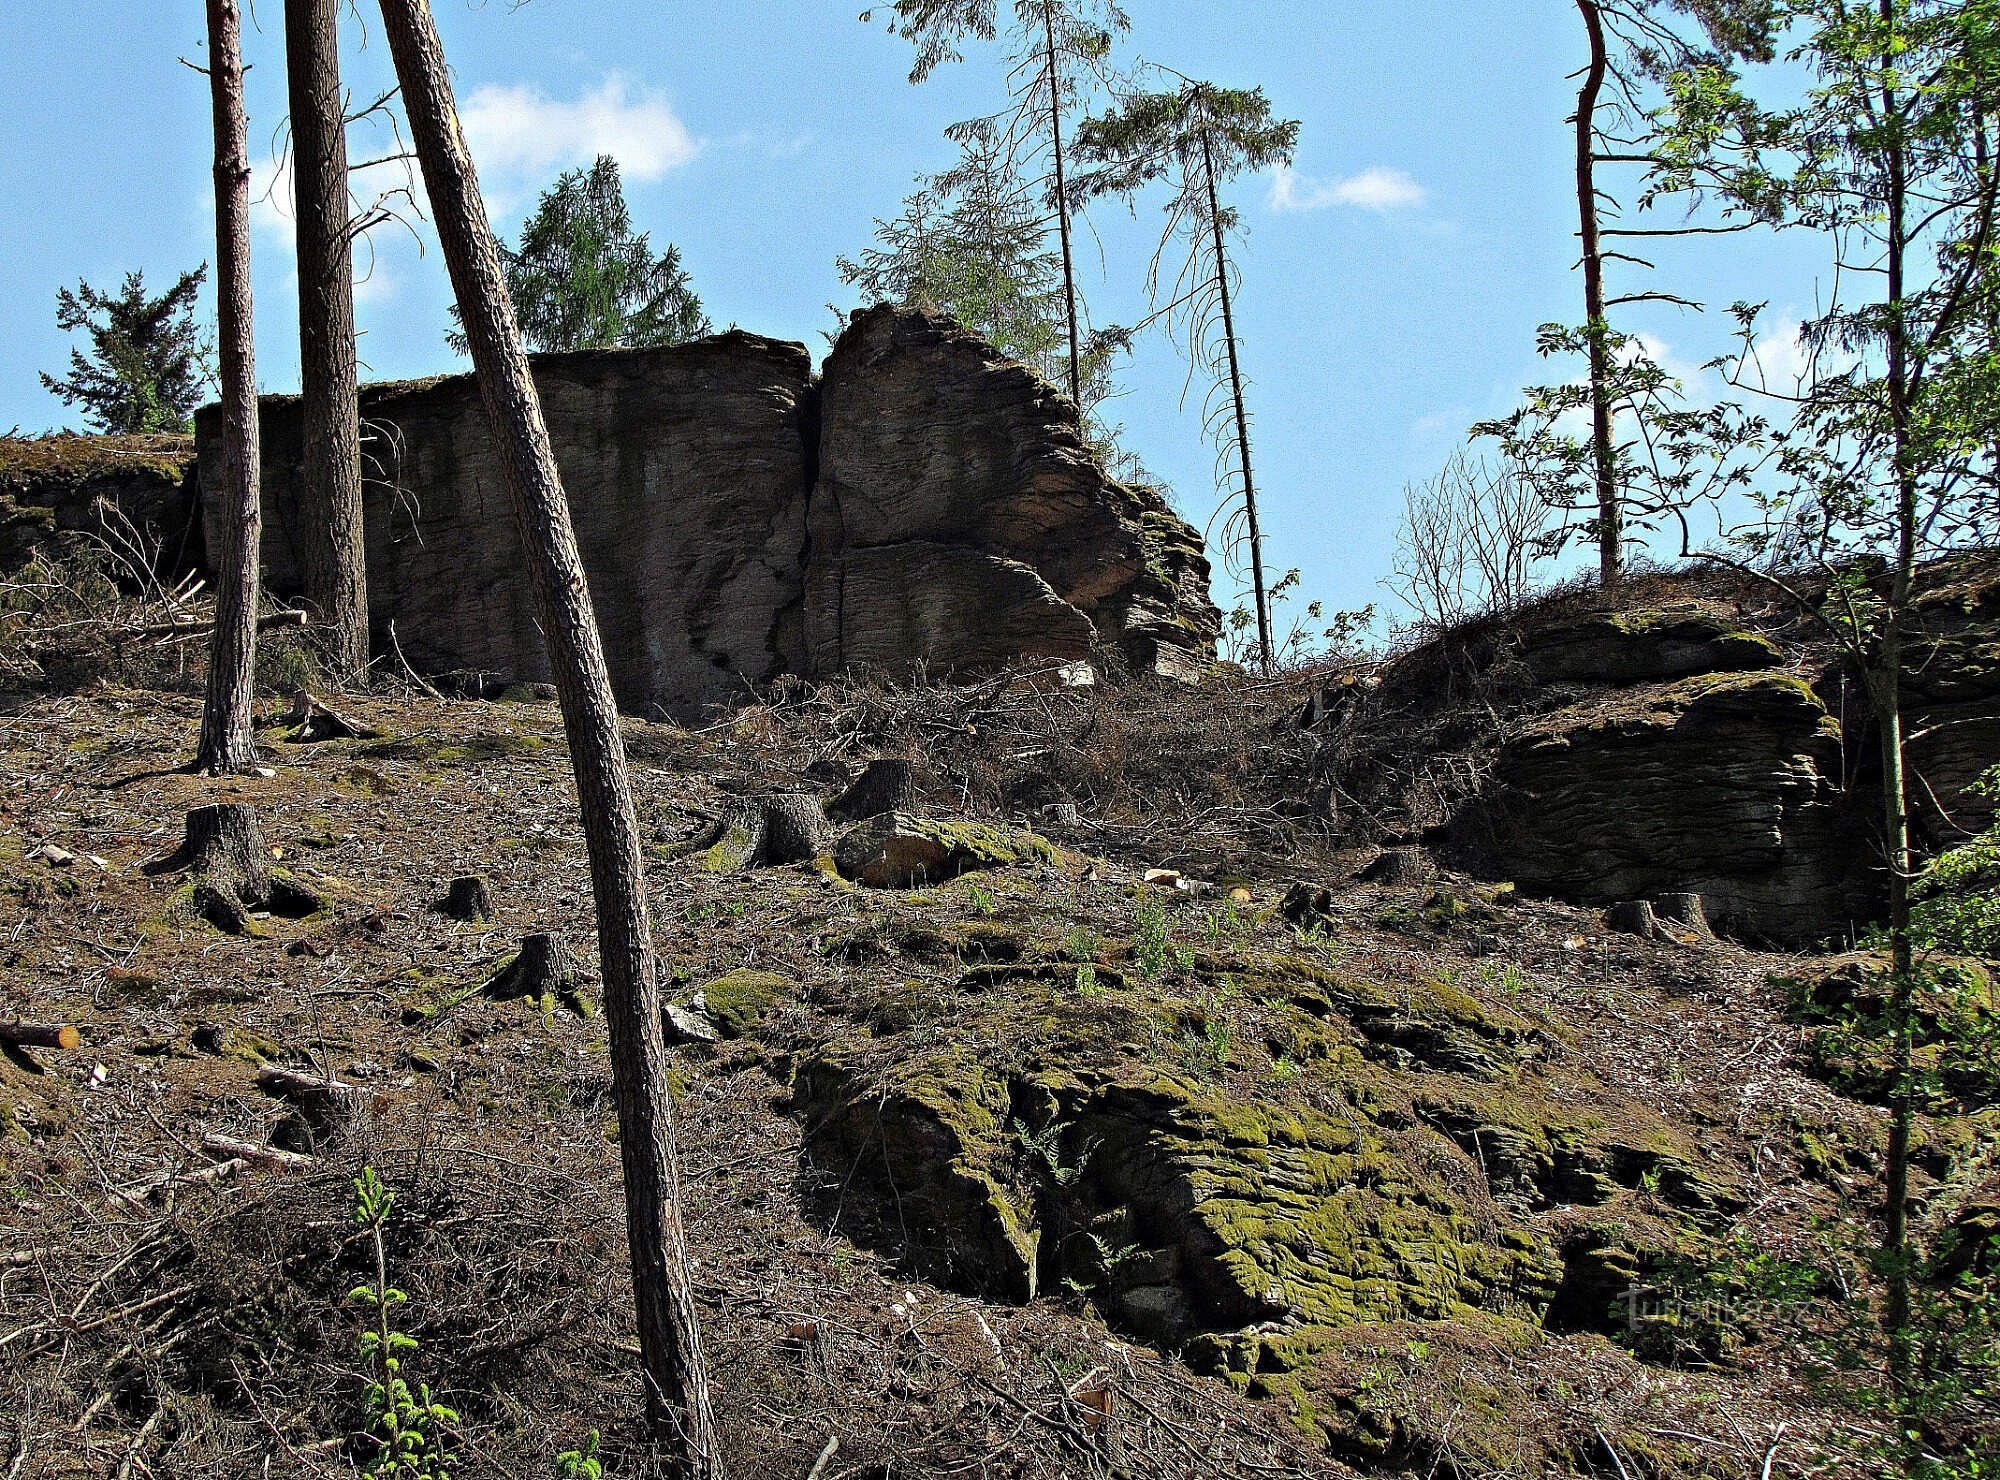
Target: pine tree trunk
point(1603, 453)
point(1062, 209)
point(227, 741)
point(1603, 449)
point(1886, 692)
point(330, 536)
point(1257, 587)
point(669, 1328)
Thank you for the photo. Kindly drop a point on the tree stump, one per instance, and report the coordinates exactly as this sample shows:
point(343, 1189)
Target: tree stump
point(1398, 866)
point(546, 970)
point(1683, 909)
point(1634, 917)
point(1306, 905)
point(313, 719)
point(888, 784)
point(468, 898)
point(329, 1107)
point(224, 849)
point(795, 828)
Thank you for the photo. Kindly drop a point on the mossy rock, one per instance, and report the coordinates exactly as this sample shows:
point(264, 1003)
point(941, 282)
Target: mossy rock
point(901, 851)
point(738, 1002)
point(1644, 645)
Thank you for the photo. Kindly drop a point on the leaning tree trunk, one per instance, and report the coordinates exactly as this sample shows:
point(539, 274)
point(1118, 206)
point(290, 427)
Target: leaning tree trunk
point(330, 539)
point(227, 742)
point(1062, 209)
point(1257, 588)
point(669, 1328)
point(1603, 452)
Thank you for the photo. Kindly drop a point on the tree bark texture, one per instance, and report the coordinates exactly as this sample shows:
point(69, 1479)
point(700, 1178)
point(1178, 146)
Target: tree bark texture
point(227, 742)
point(668, 1323)
point(330, 540)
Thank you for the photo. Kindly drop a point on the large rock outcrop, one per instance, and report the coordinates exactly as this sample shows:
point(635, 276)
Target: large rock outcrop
point(1688, 736)
point(942, 510)
point(959, 517)
point(686, 471)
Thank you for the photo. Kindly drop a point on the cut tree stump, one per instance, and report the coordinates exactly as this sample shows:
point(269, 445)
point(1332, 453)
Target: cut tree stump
point(1634, 917)
point(311, 719)
point(40, 1035)
point(1683, 909)
point(888, 784)
point(468, 898)
point(795, 828)
point(1397, 867)
point(329, 1107)
point(789, 828)
point(1306, 905)
point(546, 970)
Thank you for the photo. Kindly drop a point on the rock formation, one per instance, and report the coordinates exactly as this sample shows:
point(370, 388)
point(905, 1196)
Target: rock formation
point(60, 493)
point(932, 503)
point(685, 468)
point(1689, 738)
point(958, 516)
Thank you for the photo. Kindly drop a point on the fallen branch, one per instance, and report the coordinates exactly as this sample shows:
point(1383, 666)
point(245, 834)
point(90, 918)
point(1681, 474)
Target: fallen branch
point(179, 626)
point(227, 1148)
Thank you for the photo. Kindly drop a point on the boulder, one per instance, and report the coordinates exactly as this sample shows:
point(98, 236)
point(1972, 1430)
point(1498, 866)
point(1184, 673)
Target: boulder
point(900, 851)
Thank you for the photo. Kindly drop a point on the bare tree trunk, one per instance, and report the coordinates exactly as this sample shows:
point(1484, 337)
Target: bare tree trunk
point(1242, 417)
point(669, 1328)
point(227, 741)
point(1604, 462)
point(1886, 690)
point(330, 536)
point(1062, 209)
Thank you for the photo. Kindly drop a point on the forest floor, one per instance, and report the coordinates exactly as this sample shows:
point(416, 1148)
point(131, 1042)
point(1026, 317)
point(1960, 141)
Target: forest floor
point(158, 1317)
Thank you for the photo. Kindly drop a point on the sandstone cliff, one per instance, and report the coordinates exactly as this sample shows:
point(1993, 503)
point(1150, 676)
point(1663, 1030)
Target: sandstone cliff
point(931, 504)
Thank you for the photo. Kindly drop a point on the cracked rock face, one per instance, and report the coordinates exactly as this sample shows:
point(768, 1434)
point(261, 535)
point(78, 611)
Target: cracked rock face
point(958, 517)
point(942, 510)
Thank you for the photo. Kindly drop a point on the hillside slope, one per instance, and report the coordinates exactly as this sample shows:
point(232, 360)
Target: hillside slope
point(1039, 1168)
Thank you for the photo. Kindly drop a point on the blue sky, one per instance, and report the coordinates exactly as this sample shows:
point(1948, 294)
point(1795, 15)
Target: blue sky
point(1392, 284)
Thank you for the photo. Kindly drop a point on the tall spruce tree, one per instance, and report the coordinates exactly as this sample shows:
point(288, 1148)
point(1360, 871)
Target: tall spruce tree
point(1060, 53)
point(1197, 137)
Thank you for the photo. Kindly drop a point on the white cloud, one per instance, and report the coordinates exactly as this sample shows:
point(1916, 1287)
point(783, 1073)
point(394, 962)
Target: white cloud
point(522, 133)
point(1377, 188)
point(271, 197)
